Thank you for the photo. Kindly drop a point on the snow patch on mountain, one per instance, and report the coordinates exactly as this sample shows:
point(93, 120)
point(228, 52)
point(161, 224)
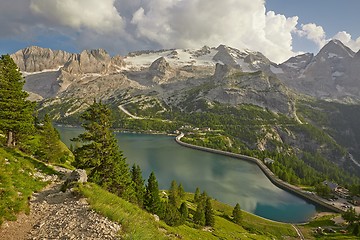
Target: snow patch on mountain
point(175, 57)
point(42, 71)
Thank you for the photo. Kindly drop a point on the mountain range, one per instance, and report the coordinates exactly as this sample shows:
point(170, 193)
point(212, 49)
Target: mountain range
point(195, 80)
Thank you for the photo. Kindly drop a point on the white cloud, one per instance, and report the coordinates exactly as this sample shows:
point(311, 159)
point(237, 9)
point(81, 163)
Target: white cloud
point(237, 23)
point(314, 33)
point(100, 16)
point(346, 38)
point(120, 26)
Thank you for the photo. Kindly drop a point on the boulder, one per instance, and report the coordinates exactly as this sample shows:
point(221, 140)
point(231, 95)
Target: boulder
point(78, 175)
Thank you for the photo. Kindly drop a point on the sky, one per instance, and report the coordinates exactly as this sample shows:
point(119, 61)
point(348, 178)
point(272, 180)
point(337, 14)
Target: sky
point(279, 29)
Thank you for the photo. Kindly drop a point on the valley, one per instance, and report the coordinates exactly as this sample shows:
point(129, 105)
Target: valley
point(252, 105)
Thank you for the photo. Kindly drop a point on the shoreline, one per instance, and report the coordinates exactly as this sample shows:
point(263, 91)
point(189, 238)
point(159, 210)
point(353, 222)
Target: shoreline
point(270, 175)
point(119, 130)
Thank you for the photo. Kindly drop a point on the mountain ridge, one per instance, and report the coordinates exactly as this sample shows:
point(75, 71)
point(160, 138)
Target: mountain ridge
point(265, 105)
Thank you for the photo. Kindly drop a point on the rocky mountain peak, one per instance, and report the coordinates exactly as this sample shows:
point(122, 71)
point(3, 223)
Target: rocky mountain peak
point(335, 48)
point(297, 63)
point(89, 61)
point(36, 59)
point(159, 66)
point(222, 71)
point(223, 55)
point(97, 54)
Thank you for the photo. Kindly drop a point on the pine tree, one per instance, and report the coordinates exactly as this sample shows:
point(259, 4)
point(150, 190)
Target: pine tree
point(152, 201)
point(181, 191)
point(197, 195)
point(173, 194)
point(184, 212)
point(237, 215)
point(139, 187)
point(50, 150)
point(199, 215)
point(171, 215)
point(100, 153)
point(203, 197)
point(209, 213)
point(15, 111)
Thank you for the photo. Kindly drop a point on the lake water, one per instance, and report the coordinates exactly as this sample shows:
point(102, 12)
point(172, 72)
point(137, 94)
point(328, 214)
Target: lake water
point(227, 179)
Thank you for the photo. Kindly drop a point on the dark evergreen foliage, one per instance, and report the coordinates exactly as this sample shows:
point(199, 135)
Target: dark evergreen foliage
point(16, 117)
point(171, 215)
point(100, 153)
point(174, 198)
point(209, 213)
point(181, 191)
point(199, 215)
point(197, 195)
point(237, 215)
point(50, 149)
point(184, 212)
point(152, 201)
point(139, 187)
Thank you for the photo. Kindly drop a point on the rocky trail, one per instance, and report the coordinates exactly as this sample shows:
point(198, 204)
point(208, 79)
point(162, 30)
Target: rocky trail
point(59, 215)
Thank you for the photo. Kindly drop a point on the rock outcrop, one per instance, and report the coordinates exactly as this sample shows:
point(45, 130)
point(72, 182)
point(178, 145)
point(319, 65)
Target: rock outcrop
point(332, 74)
point(89, 61)
point(160, 71)
point(36, 59)
point(236, 87)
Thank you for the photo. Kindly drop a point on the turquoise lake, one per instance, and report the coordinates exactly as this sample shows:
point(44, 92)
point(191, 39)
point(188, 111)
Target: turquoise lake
point(227, 179)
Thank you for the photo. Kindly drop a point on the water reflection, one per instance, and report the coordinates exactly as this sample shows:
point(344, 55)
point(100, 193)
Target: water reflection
point(226, 179)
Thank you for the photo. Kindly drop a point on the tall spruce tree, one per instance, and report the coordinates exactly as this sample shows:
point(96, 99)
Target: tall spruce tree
point(181, 191)
point(50, 149)
point(174, 198)
point(184, 212)
point(197, 195)
point(15, 111)
point(209, 213)
point(152, 200)
point(100, 153)
point(139, 187)
point(237, 215)
point(199, 215)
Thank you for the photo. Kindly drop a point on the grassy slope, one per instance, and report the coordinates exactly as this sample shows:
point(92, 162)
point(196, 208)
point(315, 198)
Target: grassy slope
point(17, 182)
point(138, 224)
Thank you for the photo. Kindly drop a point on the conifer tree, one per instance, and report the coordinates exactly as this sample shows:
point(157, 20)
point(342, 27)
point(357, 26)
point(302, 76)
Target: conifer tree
point(237, 215)
point(203, 197)
point(184, 212)
point(139, 187)
point(171, 215)
point(181, 191)
point(50, 150)
point(199, 215)
point(15, 111)
point(197, 195)
point(173, 194)
point(152, 201)
point(209, 213)
point(100, 152)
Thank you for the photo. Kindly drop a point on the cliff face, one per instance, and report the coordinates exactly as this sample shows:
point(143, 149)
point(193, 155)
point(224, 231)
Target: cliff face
point(89, 61)
point(332, 74)
point(36, 59)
